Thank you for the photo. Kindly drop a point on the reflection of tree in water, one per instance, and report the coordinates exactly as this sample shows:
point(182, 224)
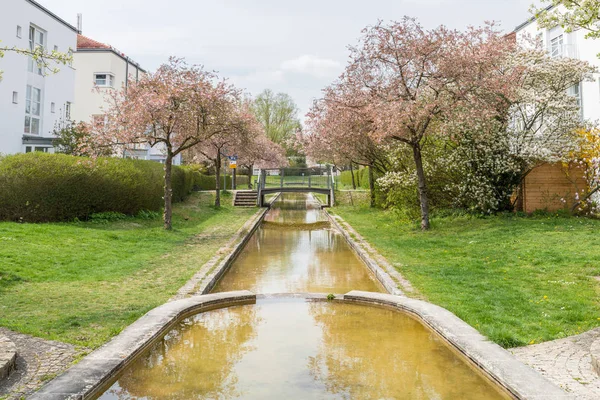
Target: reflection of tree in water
point(196, 359)
point(374, 353)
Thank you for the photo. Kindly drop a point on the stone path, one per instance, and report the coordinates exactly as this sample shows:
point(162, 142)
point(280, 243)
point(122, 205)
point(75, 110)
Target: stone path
point(38, 361)
point(567, 362)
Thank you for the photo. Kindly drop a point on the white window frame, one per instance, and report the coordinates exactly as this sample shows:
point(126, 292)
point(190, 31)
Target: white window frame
point(19, 31)
point(30, 110)
point(34, 42)
point(577, 92)
point(557, 46)
point(109, 79)
point(68, 110)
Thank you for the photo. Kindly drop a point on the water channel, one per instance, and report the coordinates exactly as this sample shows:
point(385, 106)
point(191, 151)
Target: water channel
point(293, 348)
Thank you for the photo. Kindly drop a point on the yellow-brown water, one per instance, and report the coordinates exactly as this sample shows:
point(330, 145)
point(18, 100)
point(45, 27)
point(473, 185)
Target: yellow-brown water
point(295, 250)
point(296, 349)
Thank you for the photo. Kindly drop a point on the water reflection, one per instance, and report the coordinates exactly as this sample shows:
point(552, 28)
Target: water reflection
point(293, 349)
point(295, 250)
point(195, 360)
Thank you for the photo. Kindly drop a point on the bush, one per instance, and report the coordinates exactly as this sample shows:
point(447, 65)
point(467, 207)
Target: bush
point(207, 182)
point(40, 187)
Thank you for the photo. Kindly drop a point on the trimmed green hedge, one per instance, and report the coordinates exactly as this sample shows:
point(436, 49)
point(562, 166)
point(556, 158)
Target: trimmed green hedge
point(207, 182)
point(361, 175)
point(40, 187)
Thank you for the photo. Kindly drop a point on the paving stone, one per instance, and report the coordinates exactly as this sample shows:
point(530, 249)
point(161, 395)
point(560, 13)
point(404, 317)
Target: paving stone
point(566, 362)
point(37, 361)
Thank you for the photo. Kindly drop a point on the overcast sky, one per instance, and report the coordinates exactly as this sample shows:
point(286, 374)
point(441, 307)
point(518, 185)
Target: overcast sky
point(297, 47)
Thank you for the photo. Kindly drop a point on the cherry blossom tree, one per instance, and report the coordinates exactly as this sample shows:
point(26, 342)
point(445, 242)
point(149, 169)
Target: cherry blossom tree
point(240, 132)
point(261, 152)
point(412, 78)
point(175, 109)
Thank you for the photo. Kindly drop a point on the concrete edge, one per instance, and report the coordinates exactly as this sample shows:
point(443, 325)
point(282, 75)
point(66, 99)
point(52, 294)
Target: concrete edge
point(8, 356)
point(213, 277)
point(91, 375)
point(595, 355)
point(521, 381)
point(209, 274)
point(380, 273)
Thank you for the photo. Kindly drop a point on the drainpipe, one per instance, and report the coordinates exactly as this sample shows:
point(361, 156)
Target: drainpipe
point(126, 73)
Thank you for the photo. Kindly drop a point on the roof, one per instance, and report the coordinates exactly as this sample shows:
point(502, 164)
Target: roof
point(530, 20)
point(86, 44)
point(51, 14)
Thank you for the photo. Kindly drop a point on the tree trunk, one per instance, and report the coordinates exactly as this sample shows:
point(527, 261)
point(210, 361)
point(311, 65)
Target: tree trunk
point(218, 180)
point(168, 195)
point(250, 170)
point(352, 173)
point(233, 178)
point(424, 200)
point(372, 185)
point(357, 176)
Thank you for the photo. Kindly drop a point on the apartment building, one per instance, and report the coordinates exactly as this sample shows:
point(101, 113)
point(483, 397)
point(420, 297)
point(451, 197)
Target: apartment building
point(32, 102)
point(100, 68)
point(573, 45)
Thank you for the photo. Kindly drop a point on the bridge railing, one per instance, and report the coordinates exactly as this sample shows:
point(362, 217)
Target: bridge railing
point(318, 178)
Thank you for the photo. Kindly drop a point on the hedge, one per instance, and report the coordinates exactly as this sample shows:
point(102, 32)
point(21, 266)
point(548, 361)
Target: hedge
point(361, 175)
point(40, 187)
point(207, 182)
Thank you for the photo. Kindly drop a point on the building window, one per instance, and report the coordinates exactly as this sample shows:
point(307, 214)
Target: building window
point(36, 40)
point(41, 149)
point(55, 48)
point(106, 80)
point(68, 111)
point(556, 46)
point(19, 31)
point(28, 149)
point(52, 108)
point(15, 97)
point(33, 110)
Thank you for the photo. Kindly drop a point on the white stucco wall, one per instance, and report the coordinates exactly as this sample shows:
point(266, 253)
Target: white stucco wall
point(89, 102)
point(57, 88)
point(575, 46)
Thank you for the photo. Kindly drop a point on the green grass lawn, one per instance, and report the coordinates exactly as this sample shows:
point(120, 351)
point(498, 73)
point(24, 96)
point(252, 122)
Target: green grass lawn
point(83, 282)
point(518, 280)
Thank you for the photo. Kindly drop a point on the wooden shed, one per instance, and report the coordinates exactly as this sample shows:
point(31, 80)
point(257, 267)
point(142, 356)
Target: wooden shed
point(547, 185)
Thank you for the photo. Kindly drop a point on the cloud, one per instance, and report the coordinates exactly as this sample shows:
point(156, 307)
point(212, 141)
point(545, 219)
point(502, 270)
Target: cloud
point(312, 65)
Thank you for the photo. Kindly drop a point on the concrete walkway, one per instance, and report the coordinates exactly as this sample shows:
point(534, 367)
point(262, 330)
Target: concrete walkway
point(566, 362)
point(38, 361)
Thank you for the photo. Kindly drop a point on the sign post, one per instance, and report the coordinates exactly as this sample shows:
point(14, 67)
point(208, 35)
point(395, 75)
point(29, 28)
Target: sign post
point(233, 167)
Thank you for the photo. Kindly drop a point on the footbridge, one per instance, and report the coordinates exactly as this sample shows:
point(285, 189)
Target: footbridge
point(298, 180)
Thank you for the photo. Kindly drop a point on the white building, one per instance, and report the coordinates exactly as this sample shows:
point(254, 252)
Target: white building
point(101, 67)
point(31, 102)
point(573, 45)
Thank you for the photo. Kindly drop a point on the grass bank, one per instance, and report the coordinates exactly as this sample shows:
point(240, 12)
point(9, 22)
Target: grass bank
point(518, 280)
point(83, 282)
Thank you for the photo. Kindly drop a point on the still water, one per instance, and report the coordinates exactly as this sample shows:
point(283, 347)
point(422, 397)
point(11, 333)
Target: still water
point(295, 250)
point(298, 349)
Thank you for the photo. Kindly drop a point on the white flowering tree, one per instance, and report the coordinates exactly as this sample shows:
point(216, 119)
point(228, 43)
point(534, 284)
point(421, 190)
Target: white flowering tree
point(539, 126)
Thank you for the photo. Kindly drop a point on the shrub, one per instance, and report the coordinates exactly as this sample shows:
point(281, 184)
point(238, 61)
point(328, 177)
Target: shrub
point(207, 182)
point(40, 187)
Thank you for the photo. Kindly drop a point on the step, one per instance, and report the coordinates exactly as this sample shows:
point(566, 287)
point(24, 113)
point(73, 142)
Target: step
point(8, 356)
